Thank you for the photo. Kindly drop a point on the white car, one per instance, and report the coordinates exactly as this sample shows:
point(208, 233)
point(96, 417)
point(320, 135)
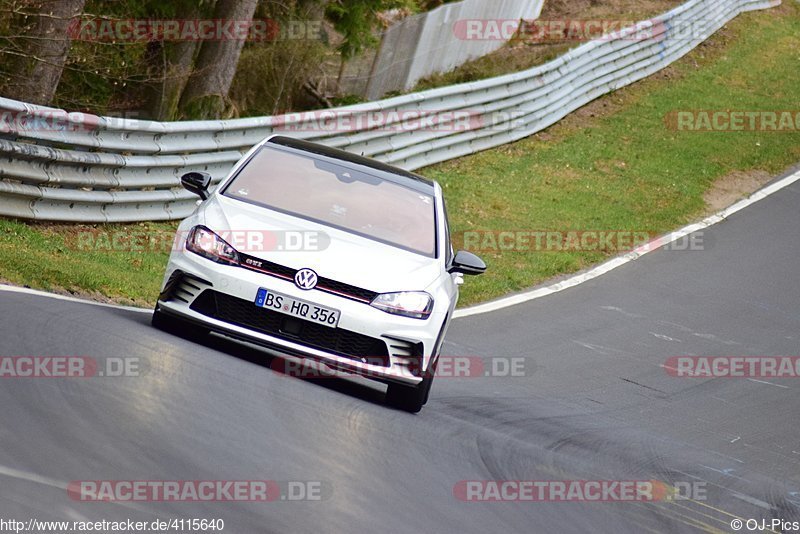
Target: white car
point(317, 253)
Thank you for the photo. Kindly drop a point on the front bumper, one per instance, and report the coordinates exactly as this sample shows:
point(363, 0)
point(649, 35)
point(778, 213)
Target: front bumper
point(408, 342)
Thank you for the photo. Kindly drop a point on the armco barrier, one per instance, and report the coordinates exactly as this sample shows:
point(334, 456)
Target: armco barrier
point(95, 169)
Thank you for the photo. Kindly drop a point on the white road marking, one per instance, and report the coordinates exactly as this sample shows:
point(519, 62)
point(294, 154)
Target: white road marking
point(768, 383)
point(32, 477)
point(727, 472)
point(596, 348)
point(665, 338)
point(751, 500)
point(712, 337)
point(28, 291)
point(620, 310)
point(18, 474)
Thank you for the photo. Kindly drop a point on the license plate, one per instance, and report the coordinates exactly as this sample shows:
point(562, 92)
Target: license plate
point(297, 308)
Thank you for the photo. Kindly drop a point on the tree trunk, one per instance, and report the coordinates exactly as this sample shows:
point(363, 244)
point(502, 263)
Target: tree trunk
point(206, 94)
point(42, 48)
point(171, 66)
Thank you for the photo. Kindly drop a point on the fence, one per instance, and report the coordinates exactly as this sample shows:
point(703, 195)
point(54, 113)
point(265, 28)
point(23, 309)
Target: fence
point(427, 43)
point(96, 169)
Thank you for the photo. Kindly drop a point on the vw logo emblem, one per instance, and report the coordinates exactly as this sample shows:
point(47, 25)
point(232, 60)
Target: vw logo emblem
point(305, 279)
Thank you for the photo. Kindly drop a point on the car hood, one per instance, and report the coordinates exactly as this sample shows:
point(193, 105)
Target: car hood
point(341, 256)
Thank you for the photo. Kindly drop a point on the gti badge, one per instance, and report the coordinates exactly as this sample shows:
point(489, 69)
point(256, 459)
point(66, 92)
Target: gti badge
point(305, 279)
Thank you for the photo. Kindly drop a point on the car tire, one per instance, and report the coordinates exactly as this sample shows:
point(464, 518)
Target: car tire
point(413, 398)
point(434, 362)
point(431, 374)
point(178, 327)
point(409, 398)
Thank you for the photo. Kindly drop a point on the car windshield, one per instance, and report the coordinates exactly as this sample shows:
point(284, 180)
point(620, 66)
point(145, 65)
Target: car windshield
point(339, 196)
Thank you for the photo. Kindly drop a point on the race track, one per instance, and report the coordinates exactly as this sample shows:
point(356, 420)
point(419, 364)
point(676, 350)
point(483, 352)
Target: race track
point(595, 403)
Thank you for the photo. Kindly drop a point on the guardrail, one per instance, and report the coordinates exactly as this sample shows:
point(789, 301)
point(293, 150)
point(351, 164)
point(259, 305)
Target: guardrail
point(97, 169)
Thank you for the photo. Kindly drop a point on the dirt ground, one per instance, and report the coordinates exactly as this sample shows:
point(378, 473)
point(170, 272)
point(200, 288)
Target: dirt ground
point(733, 187)
point(605, 9)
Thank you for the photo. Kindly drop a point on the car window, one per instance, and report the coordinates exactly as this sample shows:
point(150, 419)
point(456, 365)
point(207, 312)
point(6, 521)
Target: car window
point(337, 195)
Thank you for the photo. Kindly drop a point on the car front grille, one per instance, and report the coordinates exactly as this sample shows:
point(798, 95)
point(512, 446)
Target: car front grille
point(323, 284)
point(336, 340)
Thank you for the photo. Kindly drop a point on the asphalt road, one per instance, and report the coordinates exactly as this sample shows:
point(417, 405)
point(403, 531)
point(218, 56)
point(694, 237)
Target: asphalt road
point(594, 403)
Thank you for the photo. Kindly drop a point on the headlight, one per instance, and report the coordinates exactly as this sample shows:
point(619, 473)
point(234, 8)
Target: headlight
point(416, 304)
point(206, 243)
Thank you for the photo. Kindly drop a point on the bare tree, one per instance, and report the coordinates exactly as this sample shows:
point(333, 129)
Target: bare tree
point(206, 94)
point(40, 48)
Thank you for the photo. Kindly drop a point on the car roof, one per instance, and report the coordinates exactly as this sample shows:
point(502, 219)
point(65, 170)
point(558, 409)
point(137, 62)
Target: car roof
point(384, 170)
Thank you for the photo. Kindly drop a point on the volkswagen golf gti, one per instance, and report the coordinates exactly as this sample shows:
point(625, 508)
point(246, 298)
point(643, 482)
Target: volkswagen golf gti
point(316, 253)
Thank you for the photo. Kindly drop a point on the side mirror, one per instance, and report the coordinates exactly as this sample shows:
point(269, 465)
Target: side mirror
point(467, 263)
point(197, 183)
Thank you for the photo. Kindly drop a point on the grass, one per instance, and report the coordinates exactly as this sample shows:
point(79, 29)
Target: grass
point(612, 165)
point(83, 259)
